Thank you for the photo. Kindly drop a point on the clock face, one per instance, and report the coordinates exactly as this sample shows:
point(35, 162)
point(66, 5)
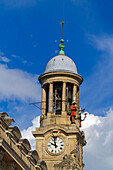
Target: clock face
point(55, 145)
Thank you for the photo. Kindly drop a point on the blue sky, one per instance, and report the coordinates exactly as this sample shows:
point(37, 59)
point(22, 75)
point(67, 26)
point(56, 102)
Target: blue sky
point(28, 30)
point(27, 42)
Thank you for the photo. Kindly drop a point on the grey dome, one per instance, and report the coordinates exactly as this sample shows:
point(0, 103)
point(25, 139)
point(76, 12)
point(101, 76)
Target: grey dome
point(61, 63)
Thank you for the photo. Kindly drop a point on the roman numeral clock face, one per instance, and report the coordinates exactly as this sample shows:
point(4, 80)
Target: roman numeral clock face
point(55, 145)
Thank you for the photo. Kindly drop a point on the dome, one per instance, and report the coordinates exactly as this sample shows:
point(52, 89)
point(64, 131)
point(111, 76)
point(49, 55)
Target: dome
point(61, 63)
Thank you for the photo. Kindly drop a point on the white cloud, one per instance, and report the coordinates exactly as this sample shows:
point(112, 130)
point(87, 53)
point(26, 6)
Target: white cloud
point(3, 58)
point(15, 56)
point(21, 59)
point(98, 153)
point(90, 121)
point(100, 83)
point(18, 84)
point(27, 133)
point(103, 43)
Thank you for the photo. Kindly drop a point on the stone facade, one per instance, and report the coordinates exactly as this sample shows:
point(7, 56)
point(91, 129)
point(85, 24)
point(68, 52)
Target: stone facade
point(73, 139)
point(15, 152)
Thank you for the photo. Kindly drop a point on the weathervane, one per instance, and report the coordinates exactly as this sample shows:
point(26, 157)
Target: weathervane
point(62, 46)
point(62, 22)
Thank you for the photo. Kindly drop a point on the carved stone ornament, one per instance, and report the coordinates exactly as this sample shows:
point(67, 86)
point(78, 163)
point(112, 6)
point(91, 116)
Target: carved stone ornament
point(83, 138)
point(69, 161)
point(41, 117)
point(55, 132)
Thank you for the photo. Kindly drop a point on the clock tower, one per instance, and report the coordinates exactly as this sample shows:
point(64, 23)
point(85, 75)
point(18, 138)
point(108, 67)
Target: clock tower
point(58, 141)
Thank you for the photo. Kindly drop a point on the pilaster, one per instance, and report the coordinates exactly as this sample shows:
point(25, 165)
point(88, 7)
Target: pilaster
point(77, 98)
point(74, 92)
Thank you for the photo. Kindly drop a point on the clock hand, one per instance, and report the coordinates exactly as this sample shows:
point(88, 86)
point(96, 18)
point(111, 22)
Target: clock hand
point(52, 144)
point(55, 142)
point(56, 146)
point(54, 139)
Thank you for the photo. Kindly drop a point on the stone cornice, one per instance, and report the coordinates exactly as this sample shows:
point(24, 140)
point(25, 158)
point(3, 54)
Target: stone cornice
point(68, 130)
point(19, 150)
point(13, 154)
point(55, 75)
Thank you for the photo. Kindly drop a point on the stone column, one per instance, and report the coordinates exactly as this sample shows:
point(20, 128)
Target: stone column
point(50, 98)
point(64, 99)
point(77, 98)
point(43, 101)
point(77, 113)
point(74, 92)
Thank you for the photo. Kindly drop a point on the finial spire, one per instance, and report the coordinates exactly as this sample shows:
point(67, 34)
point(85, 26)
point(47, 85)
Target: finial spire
point(62, 46)
point(62, 22)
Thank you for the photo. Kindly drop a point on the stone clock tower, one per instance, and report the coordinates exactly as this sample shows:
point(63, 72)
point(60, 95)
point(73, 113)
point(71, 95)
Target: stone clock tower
point(58, 142)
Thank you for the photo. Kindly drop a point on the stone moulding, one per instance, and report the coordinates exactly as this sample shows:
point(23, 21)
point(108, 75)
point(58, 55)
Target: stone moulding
point(60, 76)
point(14, 148)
